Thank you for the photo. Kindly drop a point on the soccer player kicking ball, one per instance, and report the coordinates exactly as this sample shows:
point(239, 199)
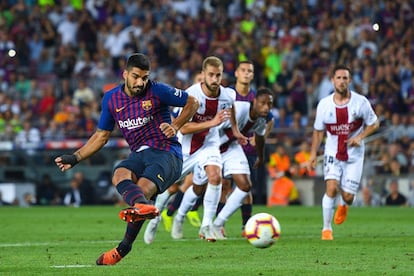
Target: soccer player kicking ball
point(140, 109)
point(347, 118)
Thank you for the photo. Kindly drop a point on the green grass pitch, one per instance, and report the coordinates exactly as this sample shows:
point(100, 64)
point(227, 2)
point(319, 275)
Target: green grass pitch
point(67, 241)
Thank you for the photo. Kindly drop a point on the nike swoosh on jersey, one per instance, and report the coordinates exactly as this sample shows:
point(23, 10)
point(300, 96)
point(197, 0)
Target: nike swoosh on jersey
point(119, 109)
point(160, 177)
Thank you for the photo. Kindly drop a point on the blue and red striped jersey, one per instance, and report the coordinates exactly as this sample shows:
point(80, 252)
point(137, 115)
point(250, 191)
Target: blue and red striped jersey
point(139, 118)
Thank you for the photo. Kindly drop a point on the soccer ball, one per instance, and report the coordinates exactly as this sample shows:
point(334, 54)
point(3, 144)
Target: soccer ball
point(262, 230)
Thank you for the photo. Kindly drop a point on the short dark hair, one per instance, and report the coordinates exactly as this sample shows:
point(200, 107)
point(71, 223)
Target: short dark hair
point(138, 60)
point(263, 91)
point(245, 62)
point(341, 67)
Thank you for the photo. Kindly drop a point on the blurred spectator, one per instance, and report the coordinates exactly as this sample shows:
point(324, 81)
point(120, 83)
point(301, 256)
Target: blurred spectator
point(279, 162)
point(67, 29)
point(86, 188)
point(73, 197)
point(29, 200)
point(46, 105)
point(80, 191)
point(284, 192)
point(394, 197)
point(301, 158)
point(397, 129)
point(28, 138)
point(410, 198)
point(47, 192)
point(105, 192)
point(83, 94)
point(367, 197)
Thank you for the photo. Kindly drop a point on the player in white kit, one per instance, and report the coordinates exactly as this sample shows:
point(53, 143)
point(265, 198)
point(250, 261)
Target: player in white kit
point(251, 118)
point(347, 118)
point(200, 144)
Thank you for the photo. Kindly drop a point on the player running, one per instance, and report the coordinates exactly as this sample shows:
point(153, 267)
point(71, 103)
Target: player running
point(347, 118)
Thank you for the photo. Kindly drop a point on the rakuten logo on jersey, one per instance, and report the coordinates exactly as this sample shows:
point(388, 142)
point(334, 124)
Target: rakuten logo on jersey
point(134, 123)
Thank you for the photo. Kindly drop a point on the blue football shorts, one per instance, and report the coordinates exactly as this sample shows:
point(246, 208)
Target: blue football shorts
point(161, 167)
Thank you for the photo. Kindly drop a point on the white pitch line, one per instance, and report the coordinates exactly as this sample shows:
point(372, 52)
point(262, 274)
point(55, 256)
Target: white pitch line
point(70, 266)
point(35, 244)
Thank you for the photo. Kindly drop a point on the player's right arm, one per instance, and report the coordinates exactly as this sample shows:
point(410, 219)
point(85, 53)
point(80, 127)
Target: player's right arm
point(93, 145)
point(195, 127)
point(317, 137)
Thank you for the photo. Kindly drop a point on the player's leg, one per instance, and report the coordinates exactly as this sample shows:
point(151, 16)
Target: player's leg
point(189, 199)
point(192, 215)
point(160, 202)
point(167, 220)
point(333, 173)
point(211, 200)
point(328, 207)
point(246, 210)
point(348, 188)
point(225, 191)
point(149, 180)
point(234, 201)
point(247, 207)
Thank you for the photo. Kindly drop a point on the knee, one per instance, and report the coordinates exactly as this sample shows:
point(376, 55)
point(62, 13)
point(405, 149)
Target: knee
point(348, 198)
point(120, 175)
point(243, 182)
point(214, 178)
point(244, 186)
point(199, 189)
point(226, 186)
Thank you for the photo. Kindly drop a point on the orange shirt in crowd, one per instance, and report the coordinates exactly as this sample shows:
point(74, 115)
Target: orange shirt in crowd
point(283, 191)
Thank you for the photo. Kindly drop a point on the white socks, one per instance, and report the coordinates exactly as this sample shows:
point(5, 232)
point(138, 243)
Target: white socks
point(162, 199)
point(328, 204)
point(210, 203)
point(189, 199)
point(234, 201)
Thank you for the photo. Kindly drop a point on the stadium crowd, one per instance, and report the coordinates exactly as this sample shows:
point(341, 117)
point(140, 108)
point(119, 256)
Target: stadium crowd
point(57, 58)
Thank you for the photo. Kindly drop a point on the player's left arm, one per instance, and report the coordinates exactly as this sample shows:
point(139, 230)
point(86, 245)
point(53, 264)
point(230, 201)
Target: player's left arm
point(179, 98)
point(368, 130)
point(269, 127)
point(185, 115)
point(371, 121)
point(260, 149)
point(235, 128)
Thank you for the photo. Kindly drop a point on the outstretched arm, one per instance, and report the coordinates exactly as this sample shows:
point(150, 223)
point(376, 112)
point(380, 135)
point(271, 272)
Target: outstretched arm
point(93, 145)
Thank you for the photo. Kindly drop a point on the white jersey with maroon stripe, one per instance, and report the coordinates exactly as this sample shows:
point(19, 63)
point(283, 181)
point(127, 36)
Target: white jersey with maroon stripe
point(207, 110)
point(342, 122)
point(245, 124)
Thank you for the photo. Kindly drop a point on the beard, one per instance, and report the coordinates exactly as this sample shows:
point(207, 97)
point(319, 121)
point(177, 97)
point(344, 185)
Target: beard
point(343, 90)
point(213, 88)
point(134, 90)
